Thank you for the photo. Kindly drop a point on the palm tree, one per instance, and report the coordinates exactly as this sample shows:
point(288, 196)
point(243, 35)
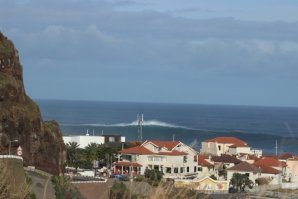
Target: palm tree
point(72, 149)
point(91, 151)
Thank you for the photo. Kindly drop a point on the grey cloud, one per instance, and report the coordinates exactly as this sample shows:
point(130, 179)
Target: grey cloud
point(95, 34)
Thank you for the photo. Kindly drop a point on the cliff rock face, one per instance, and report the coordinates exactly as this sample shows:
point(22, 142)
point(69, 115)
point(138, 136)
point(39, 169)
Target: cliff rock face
point(20, 118)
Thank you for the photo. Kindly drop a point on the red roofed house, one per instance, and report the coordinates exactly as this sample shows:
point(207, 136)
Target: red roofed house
point(174, 158)
point(227, 145)
point(206, 166)
point(292, 164)
point(272, 175)
point(274, 163)
point(253, 172)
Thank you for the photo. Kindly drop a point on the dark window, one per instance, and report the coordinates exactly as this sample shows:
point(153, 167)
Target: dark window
point(199, 168)
point(187, 169)
point(195, 169)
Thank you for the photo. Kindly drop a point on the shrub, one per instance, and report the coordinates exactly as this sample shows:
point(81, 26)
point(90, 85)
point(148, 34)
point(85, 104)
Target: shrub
point(139, 178)
point(65, 189)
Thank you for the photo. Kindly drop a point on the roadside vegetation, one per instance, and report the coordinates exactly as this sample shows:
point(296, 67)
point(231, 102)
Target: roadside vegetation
point(64, 189)
point(13, 185)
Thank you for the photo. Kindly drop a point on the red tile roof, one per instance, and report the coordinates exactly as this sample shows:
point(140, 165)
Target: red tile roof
point(202, 160)
point(226, 159)
point(239, 144)
point(141, 150)
point(136, 150)
point(128, 164)
point(283, 156)
point(271, 162)
point(167, 144)
point(245, 166)
point(226, 140)
point(268, 169)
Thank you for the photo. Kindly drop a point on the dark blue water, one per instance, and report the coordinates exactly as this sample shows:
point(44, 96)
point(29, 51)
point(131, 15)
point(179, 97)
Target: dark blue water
point(259, 126)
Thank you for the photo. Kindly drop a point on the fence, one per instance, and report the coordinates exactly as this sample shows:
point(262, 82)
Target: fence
point(11, 156)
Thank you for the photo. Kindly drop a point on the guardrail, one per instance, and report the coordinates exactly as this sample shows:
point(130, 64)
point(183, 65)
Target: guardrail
point(76, 182)
point(11, 156)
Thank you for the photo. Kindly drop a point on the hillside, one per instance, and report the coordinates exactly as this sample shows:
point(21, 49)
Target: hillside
point(20, 118)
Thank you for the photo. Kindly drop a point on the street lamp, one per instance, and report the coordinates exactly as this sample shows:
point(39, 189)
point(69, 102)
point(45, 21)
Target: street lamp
point(10, 145)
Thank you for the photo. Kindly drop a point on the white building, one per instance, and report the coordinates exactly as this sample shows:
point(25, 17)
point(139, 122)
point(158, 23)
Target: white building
point(227, 145)
point(84, 140)
point(174, 158)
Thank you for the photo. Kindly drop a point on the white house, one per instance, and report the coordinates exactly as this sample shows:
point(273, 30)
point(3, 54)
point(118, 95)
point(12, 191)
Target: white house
point(174, 158)
point(227, 145)
point(251, 171)
point(84, 140)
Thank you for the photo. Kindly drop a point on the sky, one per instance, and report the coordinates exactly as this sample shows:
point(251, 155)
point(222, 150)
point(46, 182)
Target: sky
point(171, 51)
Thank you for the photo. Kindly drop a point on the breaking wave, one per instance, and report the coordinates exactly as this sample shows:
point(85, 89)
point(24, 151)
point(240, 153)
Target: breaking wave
point(134, 123)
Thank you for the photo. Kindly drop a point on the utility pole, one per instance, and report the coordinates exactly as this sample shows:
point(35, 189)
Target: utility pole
point(140, 120)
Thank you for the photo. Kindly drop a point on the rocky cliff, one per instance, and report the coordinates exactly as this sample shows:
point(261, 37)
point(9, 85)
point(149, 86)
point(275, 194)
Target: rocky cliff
point(20, 118)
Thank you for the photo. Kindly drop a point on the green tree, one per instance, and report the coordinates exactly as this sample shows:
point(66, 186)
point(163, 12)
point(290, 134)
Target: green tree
point(154, 176)
point(107, 153)
point(240, 181)
point(91, 151)
point(72, 149)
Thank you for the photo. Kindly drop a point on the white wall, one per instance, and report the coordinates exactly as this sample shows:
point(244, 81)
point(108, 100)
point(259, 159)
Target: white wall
point(83, 141)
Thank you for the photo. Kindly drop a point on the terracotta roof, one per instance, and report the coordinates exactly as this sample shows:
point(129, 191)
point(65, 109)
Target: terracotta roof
point(283, 156)
point(227, 159)
point(167, 144)
point(202, 161)
point(141, 150)
point(128, 164)
point(136, 150)
point(226, 140)
point(239, 144)
point(271, 162)
point(267, 169)
point(245, 166)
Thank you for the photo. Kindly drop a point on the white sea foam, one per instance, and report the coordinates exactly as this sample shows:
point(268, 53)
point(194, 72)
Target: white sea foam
point(134, 123)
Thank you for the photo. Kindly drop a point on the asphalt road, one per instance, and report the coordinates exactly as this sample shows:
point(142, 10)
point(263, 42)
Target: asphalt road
point(42, 186)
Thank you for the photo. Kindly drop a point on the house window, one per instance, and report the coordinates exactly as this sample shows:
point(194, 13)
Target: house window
point(200, 169)
point(195, 169)
point(181, 169)
point(187, 169)
point(176, 170)
point(219, 147)
point(247, 174)
point(150, 159)
point(111, 139)
point(184, 159)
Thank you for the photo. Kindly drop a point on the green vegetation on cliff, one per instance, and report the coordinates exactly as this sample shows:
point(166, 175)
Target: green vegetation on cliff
point(6, 47)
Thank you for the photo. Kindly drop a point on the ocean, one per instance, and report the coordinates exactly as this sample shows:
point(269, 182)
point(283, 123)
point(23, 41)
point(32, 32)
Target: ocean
point(259, 126)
